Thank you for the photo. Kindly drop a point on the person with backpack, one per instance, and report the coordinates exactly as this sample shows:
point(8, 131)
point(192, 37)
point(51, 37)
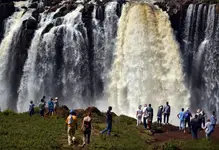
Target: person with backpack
point(31, 108)
point(42, 107)
point(181, 119)
point(187, 116)
point(150, 116)
point(208, 128)
point(139, 114)
point(166, 113)
point(109, 121)
point(195, 126)
point(71, 126)
point(51, 107)
point(213, 120)
point(86, 128)
point(159, 115)
point(145, 116)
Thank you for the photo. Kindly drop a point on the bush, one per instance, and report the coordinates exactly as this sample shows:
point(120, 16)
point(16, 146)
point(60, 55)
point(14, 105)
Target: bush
point(36, 110)
point(8, 112)
point(169, 146)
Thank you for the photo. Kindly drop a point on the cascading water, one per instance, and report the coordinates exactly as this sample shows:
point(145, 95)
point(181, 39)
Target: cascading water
point(200, 50)
point(57, 62)
point(104, 38)
point(28, 88)
point(147, 66)
point(12, 29)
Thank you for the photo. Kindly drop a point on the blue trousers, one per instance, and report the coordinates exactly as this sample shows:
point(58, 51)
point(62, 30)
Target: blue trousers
point(145, 122)
point(108, 128)
point(194, 134)
point(181, 124)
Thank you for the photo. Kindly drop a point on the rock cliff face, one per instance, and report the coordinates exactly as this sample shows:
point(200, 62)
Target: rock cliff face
point(6, 9)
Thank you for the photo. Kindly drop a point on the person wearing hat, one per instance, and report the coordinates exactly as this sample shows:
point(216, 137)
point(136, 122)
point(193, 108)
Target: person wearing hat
point(71, 126)
point(56, 104)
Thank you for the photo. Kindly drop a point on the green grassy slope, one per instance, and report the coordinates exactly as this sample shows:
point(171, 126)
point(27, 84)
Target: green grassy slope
point(19, 131)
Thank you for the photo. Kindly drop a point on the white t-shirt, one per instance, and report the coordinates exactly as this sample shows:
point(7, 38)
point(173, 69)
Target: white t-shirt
point(208, 127)
point(145, 112)
point(139, 113)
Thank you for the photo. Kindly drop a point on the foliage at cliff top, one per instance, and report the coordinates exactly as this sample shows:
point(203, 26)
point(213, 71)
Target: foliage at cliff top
point(19, 131)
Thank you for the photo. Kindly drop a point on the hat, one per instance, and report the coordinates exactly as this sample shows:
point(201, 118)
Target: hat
point(56, 98)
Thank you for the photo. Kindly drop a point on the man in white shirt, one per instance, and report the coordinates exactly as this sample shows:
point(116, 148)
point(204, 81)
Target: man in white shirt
point(145, 115)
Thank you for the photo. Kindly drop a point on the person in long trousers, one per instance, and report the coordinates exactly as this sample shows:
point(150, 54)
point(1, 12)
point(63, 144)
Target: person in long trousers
point(109, 121)
point(139, 114)
point(167, 110)
point(145, 116)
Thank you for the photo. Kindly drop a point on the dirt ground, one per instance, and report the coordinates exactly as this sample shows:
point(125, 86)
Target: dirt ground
point(172, 133)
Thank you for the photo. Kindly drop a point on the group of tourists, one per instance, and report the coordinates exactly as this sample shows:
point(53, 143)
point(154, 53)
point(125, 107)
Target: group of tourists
point(52, 105)
point(72, 126)
point(146, 114)
point(194, 125)
point(197, 123)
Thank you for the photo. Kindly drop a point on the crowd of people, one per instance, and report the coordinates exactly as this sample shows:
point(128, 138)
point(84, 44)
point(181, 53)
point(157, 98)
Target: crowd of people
point(193, 125)
point(146, 114)
point(186, 120)
point(52, 106)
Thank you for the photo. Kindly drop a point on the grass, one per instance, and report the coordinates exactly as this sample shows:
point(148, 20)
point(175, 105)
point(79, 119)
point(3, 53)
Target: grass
point(19, 131)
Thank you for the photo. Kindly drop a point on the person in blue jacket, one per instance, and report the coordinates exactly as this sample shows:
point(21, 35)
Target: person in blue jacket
point(51, 106)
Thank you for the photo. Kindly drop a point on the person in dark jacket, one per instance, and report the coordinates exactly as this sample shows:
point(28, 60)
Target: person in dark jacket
point(109, 122)
point(166, 113)
point(159, 115)
point(150, 112)
point(195, 126)
point(187, 115)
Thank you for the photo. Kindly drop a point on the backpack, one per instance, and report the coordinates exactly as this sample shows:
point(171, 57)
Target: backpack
point(70, 121)
point(186, 115)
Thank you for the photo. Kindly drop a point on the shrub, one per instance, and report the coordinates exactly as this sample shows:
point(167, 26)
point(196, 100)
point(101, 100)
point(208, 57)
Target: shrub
point(8, 112)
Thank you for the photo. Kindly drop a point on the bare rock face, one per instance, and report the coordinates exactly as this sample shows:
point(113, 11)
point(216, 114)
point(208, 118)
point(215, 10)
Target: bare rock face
point(6, 9)
point(93, 109)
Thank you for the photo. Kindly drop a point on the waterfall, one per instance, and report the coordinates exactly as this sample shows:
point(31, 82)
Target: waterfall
point(57, 61)
point(12, 29)
point(104, 38)
point(201, 56)
point(147, 65)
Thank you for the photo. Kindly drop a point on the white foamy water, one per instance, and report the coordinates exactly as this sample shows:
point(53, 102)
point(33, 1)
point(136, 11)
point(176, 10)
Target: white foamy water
point(12, 28)
point(147, 66)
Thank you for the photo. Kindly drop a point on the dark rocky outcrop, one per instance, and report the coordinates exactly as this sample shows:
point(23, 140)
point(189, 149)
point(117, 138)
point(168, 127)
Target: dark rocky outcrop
point(33, 5)
point(93, 110)
point(6, 9)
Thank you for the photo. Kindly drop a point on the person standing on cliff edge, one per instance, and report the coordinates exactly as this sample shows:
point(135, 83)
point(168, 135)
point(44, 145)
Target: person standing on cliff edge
point(166, 113)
